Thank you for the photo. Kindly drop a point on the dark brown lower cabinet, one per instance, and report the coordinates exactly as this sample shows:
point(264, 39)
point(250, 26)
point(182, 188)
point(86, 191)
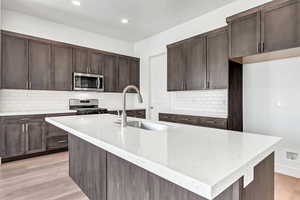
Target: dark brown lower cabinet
point(22, 135)
point(56, 138)
point(27, 136)
point(132, 113)
point(12, 137)
point(35, 135)
point(194, 120)
point(102, 175)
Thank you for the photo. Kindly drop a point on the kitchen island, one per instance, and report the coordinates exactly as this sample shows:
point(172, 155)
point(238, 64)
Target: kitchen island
point(171, 161)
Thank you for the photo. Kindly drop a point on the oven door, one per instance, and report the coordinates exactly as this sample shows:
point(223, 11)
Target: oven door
point(87, 82)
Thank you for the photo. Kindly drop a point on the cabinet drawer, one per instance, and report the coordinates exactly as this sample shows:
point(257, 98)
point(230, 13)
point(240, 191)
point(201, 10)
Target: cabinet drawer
point(137, 113)
point(167, 117)
point(57, 142)
point(53, 130)
point(194, 120)
point(214, 122)
point(132, 113)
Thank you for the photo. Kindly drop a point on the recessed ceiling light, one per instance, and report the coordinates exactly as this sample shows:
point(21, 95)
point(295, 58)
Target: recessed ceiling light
point(124, 21)
point(76, 3)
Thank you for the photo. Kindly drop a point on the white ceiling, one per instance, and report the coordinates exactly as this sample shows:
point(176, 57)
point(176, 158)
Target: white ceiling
point(146, 17)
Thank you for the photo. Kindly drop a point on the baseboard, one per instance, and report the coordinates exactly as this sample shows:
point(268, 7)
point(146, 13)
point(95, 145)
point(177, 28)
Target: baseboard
point(287, 170)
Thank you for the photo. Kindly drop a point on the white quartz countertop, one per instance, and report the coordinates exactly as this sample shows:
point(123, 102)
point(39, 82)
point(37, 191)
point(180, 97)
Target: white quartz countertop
point(39, 112)
point(202, 160)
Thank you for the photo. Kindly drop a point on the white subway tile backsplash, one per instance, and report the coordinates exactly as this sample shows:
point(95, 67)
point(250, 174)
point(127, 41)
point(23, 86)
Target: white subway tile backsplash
point(34, 100)
point(207, 101)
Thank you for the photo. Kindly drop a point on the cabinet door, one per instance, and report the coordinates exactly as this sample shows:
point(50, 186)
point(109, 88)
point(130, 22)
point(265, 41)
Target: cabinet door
point(135, 72)
point(13, 133)
point(14, 63)
point(123, 73)
point(281, 26)
point(217, 60)
point(109, 72)
point(244, 35)
point(62, 67)
point(88, 168)
point(176, 68)
point(126, 181)
point(80, 60)
point(195, 50)
point(39, 65)
point(35, 136)
point(96, 63)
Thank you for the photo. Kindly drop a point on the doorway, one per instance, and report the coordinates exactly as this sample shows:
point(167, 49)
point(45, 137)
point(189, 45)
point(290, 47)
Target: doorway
point(159, 98)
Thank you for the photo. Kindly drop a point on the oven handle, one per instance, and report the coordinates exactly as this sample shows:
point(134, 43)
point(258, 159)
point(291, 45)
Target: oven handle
point(98, 83)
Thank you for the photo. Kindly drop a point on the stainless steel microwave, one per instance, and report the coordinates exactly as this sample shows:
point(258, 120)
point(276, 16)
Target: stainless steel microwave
point(88, 82)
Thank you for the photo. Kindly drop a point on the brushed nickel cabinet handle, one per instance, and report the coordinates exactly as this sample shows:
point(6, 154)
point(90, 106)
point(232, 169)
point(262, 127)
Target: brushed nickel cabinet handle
point(23, 128)
point(62, 141)
point(26, 127)
point(30, 85)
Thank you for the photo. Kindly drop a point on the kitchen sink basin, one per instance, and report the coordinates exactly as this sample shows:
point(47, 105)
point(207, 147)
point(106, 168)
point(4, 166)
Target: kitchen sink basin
point(147, 125)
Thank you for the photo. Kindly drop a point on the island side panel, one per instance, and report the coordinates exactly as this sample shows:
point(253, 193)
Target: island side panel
point(87, 167)
point(262, 187)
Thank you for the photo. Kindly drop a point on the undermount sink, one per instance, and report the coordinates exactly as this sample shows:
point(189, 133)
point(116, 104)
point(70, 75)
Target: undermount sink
point(147, 125)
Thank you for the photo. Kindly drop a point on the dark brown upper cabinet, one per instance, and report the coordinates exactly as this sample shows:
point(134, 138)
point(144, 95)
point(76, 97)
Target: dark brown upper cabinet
point(123, 73)
point(176, 67)
point(195, 66)
point(39, 65)
point(109, 73)
point(81, 60)
point(96, 61)
point(267, 28)
point(135, 72)
point(14, 62)
point(244, 34)
point(62, 67)
point(199, 63)
point(217, 59)
point(280, 24)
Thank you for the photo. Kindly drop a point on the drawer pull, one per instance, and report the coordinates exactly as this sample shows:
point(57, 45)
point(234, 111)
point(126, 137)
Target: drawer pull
point(62, 141)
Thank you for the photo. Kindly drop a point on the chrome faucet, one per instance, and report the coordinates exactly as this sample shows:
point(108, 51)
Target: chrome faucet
point(140, 98)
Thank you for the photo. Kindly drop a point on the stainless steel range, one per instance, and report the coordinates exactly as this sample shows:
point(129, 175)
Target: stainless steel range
point(86, 106)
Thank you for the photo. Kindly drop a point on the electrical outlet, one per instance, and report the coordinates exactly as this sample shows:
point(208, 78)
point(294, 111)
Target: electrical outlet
point(292, 155)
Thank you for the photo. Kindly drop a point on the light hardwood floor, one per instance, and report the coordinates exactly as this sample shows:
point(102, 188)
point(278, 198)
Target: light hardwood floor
point(46, 178)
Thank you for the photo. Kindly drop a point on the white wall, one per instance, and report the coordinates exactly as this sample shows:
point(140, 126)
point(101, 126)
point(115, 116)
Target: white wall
point(272, 106)
point(274, 120)
point(21, 23)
